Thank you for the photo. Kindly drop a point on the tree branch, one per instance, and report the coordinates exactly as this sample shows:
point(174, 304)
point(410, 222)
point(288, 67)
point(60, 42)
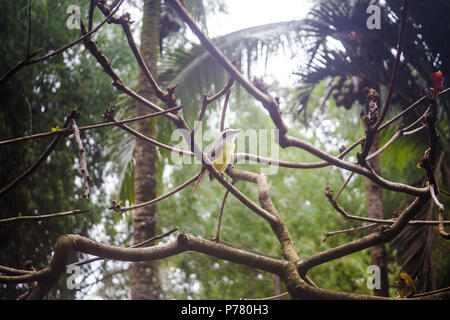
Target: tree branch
point(69, 243)
point(440, 206)
point(90, 127)
point(384, 234)
point(137, 245)
point(216, 53)
point(116, 206)
point(82, 158)
point(43, 217)
point(396, 63)
point(41, 159)
point(341, 211)
point(29, 61)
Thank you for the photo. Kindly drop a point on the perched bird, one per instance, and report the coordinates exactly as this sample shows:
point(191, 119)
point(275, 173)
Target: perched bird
point(220, 155)
point(405, 285)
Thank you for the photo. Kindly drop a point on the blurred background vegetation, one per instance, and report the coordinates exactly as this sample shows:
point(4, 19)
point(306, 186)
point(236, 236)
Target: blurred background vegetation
point(337, 56)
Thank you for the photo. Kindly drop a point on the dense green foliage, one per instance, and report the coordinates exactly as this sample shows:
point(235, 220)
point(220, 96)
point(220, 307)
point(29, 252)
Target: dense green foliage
point(53, 88)
point(75, 80)
point(346, 55)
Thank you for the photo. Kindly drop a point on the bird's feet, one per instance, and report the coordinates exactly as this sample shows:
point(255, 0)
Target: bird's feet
point(224, 176)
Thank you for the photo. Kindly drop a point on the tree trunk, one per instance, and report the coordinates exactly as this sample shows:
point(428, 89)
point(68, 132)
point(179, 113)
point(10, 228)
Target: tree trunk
point(144, 283)
point(374, 197)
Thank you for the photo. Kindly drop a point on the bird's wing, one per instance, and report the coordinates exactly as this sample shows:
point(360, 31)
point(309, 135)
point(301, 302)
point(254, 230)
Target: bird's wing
point(215, 151)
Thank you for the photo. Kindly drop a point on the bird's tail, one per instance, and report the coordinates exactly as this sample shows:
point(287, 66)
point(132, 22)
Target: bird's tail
point(199, 179)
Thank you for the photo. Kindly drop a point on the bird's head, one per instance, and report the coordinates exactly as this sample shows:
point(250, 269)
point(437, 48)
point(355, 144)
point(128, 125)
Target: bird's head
point(229, 134)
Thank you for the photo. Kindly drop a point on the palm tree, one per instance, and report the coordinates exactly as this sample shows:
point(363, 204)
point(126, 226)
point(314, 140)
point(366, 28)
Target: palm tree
point(190, 66)
point(349, 56)
point(143, 274)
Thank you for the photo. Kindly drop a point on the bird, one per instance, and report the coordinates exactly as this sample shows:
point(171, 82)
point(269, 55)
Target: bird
point(405, 285)
point(220, 155)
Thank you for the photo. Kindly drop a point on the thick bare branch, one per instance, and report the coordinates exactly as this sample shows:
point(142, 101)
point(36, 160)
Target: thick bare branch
point(137, 245)
point(70, 243)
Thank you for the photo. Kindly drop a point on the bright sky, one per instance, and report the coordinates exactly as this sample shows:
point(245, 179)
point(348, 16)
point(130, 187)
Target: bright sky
point(243, 14)
point(248, 13)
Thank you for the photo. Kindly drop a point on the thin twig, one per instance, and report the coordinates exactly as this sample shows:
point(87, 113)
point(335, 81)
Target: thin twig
point(225, 90)
point(332, 233)
point(161, 94)
point(82, 159)
point(155, 142)
point(29, 29)
point(116, 206)
point(90, 127)
point(224, 110)
point(418, 120)
point(329, 195)
point(218, 55)
point(248, 249)
point(198, 123)
point(40, 160)
point(440, 206)
point(43, 217)
point(324, 99)
point(431, 292)
point(277, 297)
point(343, 186)
point(398, 134)
point(13, 271)
point(217, 237)
point(207, 101)
point(91, 14)
point(30, 113)
point(396, 63)
point(29, 61)
point(49, 55)
point(118, 83)
point(19, 65)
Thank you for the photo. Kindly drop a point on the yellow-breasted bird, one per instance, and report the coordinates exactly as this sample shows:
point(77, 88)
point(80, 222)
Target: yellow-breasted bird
point(220, 155)
point(405, 285)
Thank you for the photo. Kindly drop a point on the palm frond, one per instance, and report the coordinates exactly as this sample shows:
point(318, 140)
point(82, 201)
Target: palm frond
point(339, 46)
point(197, 72)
